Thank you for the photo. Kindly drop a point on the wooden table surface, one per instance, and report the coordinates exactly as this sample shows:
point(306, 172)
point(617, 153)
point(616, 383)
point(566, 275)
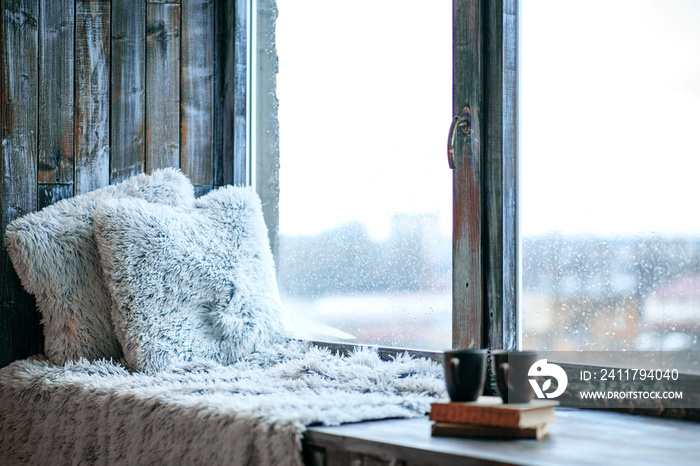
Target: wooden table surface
point(577, 437)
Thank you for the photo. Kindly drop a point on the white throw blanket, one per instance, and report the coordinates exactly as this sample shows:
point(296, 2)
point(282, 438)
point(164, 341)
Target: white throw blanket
point(252, 412)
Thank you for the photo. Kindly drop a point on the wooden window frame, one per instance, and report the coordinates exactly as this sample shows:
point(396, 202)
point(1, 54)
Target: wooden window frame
point(485, 232)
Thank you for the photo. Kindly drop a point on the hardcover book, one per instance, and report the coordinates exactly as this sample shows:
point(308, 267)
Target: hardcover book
point(454, 429)
point(491, 411)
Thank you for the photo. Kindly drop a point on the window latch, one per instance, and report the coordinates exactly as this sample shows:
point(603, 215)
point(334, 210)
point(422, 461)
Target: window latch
point(463, 121)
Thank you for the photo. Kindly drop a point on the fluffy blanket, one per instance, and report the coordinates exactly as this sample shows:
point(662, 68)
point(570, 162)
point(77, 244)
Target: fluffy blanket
point(252, 412)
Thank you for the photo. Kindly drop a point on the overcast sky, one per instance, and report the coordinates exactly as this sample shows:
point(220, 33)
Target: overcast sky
point(365, 106)
point(608, 114)
point(609, 117)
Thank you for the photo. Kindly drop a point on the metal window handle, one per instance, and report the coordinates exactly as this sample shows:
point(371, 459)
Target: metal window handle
point(464, 121)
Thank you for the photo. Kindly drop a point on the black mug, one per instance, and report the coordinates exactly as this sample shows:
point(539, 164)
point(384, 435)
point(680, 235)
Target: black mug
point(465, 373)
point(511, 369)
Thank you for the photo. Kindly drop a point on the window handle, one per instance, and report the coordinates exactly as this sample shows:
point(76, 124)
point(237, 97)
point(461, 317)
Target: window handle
point(464, 121)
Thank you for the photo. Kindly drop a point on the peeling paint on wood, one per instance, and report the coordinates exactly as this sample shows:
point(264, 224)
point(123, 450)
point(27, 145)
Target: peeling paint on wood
point(162, 86)
point(92, 78)
point(467, 277)
point(56, 124)
point(128, 89)
point(51, 193)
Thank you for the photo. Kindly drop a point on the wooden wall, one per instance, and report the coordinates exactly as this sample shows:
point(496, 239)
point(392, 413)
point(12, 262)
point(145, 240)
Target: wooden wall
point(96, 91)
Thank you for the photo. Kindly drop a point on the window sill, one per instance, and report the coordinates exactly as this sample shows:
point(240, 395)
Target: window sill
point(578, 437)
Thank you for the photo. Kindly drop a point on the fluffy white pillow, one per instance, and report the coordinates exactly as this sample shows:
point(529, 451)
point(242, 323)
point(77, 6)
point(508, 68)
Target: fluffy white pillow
point(56, 258)
point(190, 286)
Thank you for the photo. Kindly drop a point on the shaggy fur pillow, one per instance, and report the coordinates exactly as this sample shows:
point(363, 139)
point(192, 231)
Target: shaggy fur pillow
point(190, 286)
point(55, 256)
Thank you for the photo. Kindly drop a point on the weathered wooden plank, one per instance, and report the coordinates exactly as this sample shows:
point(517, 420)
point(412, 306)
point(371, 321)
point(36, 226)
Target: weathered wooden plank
point(56, 126)
point(467, 277)
point(20, 332)
point(128, 104)
point(217, 107)
point(51, 193)
point(343, 457)
point(92, 80)
point(162, 86)
point(201, 190)
point(509, 131)
point(240, 85)
point(499, 170)
point(397, 441)
point(224, 68)
point(197, 81)
point(230, 149)
point(314, 456)
point(578, 437)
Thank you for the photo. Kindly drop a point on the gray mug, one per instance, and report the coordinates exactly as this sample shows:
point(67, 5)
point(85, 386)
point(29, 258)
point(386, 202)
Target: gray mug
point(511, 369)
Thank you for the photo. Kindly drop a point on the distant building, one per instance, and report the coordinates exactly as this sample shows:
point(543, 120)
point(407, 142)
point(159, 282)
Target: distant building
point(671, 315)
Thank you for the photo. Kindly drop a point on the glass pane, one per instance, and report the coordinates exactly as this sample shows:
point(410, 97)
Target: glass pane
point(609, 168)
point(364, 93)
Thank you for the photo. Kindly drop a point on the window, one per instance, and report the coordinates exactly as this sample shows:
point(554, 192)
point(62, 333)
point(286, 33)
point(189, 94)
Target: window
point(365, 199)
point(483, 297)
point(488, 286)
point(610, 242)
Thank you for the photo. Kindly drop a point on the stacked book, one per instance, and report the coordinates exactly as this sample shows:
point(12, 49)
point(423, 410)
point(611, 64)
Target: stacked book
point(490, 417)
